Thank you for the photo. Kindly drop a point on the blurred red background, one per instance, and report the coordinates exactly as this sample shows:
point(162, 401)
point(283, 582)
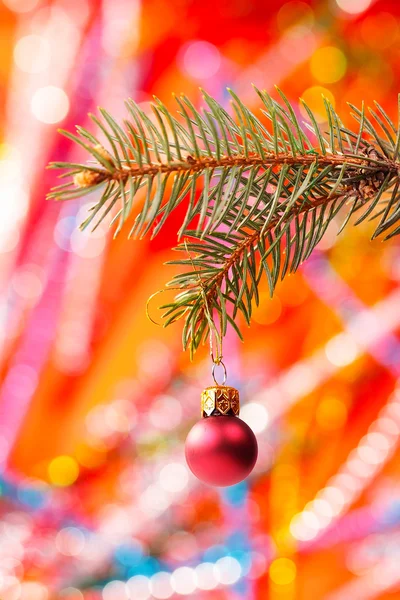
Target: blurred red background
point(95, 400)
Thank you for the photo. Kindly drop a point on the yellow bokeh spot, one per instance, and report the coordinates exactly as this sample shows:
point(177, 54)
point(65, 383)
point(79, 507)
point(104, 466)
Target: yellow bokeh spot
point(268, 310)
point(313, 97)
point(282, 571)
point(328, 64)
point(63, 471)
point(331, 413)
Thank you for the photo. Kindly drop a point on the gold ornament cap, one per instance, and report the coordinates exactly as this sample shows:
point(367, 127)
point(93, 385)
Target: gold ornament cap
point(220, 400)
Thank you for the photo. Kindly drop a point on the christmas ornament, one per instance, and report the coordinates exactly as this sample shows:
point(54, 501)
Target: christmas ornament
point(221, 449)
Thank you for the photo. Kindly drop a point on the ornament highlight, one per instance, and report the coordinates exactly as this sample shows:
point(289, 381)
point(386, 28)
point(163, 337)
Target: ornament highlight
point(221, 449)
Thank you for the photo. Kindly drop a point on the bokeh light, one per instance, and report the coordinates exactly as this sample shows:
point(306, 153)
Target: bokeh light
point(227, 570)
point(50, 104)
point(160, 585)
point(165, 413)
point(282, 571)
point(255, 415)
point(331, 413)
point(341, 350)
point(115, 590)
point(183, 581)
point(201, 60)
point(353, 7)
point(139, 587)
point(174, 477)
point(70, 541)
point(328, 64)
point(32, 590)
point(205, 576)
point(63, 471)
point(32, 54)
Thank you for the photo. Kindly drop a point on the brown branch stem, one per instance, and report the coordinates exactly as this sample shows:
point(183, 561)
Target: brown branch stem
point(268, 160)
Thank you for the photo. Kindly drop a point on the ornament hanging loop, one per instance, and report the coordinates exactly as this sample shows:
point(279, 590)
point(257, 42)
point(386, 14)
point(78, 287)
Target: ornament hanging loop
point(219, 364)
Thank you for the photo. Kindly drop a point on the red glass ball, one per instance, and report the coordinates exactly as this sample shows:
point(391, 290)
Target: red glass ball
point(221, 450)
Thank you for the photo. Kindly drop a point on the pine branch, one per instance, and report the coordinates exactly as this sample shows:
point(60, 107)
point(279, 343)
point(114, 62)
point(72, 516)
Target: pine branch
point(259, 194)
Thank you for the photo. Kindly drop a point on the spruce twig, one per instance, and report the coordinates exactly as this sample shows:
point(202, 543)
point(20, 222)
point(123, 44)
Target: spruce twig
point(259, 194)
